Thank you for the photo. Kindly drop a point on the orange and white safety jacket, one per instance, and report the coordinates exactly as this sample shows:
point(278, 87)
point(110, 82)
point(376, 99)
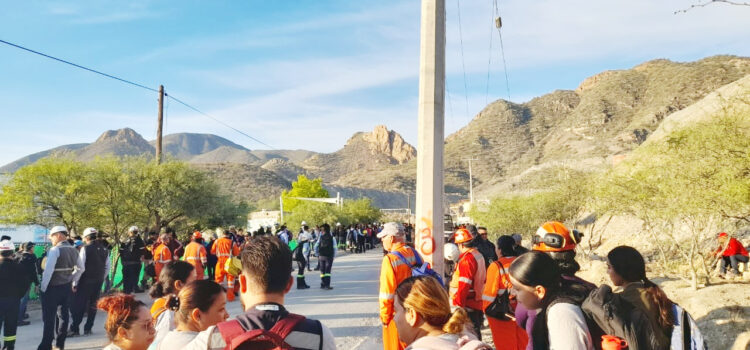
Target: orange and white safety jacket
point(498, 281)
point(224, 248)
point(195, 254)
point(162, 255)
point(468, 279)
point(393, 270)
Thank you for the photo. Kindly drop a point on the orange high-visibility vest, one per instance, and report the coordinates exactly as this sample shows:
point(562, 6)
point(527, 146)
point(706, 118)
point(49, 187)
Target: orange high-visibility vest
point(392, 271)
point(498, 281)
point(468, 279)
point(195, 254)
point(162, 255)
point(506, 334)
point(224, 248)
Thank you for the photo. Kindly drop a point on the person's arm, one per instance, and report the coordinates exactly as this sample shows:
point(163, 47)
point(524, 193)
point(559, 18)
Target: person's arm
point(465, 283)
point(80, 266)
point(567, 328)
point(49, 268)
point(387, 290)
point(202, 255)
point(492, 286)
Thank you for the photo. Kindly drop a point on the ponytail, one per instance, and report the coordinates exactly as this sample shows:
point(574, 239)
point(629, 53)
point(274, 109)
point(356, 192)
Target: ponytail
point(173, 302)
point(662, 302)
point(457, 322)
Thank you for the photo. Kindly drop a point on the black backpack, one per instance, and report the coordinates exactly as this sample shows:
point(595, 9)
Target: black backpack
point(297, 254)
point(616, 316)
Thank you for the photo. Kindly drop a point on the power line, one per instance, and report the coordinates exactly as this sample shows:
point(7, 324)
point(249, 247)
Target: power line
point(489, 63)
point(79, 66)
point(463, 63)
point(502, 48)
point(218, 121)
point(134, 84)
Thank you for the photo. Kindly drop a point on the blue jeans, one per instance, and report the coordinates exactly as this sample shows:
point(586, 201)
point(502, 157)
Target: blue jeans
point(24, 303)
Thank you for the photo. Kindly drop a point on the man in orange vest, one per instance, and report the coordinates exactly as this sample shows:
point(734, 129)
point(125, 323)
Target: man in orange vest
point(162, 254)
point(395, 268)
point(224, 248)
point(506, 333)
point(468, 280)
point(195, 254)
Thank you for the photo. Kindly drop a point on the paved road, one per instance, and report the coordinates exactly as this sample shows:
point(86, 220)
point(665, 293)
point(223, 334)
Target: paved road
point(350, 310)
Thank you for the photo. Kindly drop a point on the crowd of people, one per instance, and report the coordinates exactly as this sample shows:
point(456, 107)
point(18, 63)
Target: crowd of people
point(530, 299)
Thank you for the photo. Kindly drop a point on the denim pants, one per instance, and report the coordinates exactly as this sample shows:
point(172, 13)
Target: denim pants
point(24, 302)
point(734, 261)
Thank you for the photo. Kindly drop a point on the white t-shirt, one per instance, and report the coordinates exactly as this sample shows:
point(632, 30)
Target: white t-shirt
point(176, 340)
point(567, 328)
point(164, 324)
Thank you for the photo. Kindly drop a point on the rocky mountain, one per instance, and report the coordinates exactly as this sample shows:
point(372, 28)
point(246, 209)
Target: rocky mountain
point(185, 146)
point(57, 151)
point(609, 114)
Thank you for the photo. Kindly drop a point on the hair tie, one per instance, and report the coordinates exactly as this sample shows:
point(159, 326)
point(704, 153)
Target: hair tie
point(173, 302)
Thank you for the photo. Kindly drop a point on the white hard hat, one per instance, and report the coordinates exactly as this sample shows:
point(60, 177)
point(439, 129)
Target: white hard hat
point(451, 252)
point(132, 229)
point(303, 223)
point(7, 245)
point(89, 231)
point(391, 229)
point(57, 229)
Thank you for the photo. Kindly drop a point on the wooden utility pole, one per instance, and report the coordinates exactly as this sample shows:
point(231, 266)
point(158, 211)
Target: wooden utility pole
point(429, 239)
point(159, 125)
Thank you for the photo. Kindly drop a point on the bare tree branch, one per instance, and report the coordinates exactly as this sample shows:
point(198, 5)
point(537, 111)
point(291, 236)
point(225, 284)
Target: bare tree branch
point(710, 2)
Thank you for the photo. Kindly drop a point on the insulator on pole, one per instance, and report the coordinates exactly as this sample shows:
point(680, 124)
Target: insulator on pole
point(498, 22)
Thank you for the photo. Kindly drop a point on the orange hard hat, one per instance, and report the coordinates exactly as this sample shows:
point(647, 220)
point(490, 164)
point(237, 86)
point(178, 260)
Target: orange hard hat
point(723, 234)
point(553, 236)
point(462, 235)
point(197, 235)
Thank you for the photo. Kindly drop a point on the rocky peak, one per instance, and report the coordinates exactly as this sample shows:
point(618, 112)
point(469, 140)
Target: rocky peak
point(390, 143)
point(125, 135)
point(593, 80)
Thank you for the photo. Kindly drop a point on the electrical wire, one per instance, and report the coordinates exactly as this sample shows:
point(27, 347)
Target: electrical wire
point(502, 51)
point(463, 63)
point(489, 60)
point(134, 84)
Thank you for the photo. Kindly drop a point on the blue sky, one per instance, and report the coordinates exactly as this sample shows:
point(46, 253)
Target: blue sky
point(308, 74)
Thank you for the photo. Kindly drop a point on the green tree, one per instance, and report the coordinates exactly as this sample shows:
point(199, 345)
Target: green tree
point(49, 192)
point(358, 211)
point(304, 188)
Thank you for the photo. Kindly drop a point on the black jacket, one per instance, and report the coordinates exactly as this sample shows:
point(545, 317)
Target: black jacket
point(29, 264)
point(325, 248)
point(13, 279)
point(132, 250)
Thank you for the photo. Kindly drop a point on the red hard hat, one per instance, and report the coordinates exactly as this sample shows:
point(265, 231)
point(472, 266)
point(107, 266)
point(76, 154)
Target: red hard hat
point(197, 235)
point(462, 235)
point(723, 234)
point(553, 236)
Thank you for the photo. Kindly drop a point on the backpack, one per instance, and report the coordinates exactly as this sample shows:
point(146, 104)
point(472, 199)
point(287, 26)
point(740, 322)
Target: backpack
point(298, 254)
point(616, 316)
point(420, 268)
point(685, 334)
point(238, 338)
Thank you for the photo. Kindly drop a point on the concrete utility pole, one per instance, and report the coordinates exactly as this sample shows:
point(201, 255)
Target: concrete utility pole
point(429, 239)
point(471, 181)
point(158, 128)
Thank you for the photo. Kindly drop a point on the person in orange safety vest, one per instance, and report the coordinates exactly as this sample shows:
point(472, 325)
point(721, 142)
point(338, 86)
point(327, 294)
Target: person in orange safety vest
point(506, 333)
point(392, 272)
point(467, 284)
point(224, 248)
point(162, 254)
point(195, 254)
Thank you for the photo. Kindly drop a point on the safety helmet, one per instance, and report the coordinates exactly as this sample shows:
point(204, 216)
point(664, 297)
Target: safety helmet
point(462, 235)
point(89, 231)
point(133, 229)
point(451, 252)
point(7, 245)
point(197, 235)
point(553, 236)
point(60, 229)
point(303, 223)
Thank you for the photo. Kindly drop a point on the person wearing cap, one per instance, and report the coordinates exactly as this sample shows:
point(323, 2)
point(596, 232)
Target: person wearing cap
point(88, 286)
point(195, 254)
point(28, 261)
point(326, 253)
point(467, 284)
point(284, 235)
point(14, 284)
point(62, 267)
point(162, 253)
point(131, 255)
point(732, 253)
point(393, 270)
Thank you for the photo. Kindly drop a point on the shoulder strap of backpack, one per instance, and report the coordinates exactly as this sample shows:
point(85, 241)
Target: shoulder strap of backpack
point(400, 256)
point(230, 330)
point(417, 258)
point(285, 325)
point(686, 336)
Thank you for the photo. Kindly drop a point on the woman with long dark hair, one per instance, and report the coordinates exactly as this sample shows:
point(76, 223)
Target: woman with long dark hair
point(172, 278)
point(627, 270)
point(199, 305)
point(537, 284)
